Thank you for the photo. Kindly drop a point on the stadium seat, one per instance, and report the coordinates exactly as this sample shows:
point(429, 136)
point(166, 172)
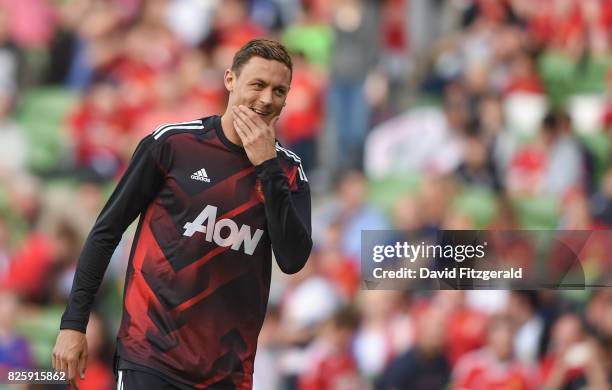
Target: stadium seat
point(478, 203)
point(41, 113)
point(314, 41)
point(591, 76)
point(563, 76)
point(537, 213)
point(556, 71)
point(384, 192)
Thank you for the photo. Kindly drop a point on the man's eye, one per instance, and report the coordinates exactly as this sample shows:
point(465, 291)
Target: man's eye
point(258, 85)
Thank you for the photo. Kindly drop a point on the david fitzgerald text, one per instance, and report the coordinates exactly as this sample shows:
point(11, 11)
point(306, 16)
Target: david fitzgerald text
point(448, 273)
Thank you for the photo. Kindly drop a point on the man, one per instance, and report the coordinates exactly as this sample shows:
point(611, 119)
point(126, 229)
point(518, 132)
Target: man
point(214, 195)
point(494, 366)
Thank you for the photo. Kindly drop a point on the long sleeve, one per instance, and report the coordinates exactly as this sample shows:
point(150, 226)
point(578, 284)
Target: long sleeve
point(288, 216)
point(138, 186)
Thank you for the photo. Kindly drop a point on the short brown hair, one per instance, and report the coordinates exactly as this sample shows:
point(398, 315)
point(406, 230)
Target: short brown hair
point(264, 48)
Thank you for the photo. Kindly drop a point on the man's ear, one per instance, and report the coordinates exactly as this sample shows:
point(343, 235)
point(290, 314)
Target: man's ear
point(229, 78)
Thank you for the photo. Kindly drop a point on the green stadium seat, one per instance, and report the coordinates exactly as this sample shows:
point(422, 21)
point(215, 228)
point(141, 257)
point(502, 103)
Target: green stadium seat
point(591, 78)
point(314, 41)
point(537, 213)
point(557, 72)
point(42, 113)
point(562, 76)
point(427, 100)
point(384, 192)
point(479, 204)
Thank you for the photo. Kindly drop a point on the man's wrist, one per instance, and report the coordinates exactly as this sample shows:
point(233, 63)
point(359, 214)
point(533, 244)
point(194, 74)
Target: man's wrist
point(268, 167)
point(265, 157)
point(73, 325)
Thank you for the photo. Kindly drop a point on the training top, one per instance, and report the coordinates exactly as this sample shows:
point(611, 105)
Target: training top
point(198, 275)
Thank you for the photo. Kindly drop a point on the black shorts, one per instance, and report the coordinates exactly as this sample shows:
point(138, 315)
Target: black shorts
point(140, 380)
point(132, 376)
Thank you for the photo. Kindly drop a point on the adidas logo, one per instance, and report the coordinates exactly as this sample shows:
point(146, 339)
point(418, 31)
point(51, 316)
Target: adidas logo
point(201, 176)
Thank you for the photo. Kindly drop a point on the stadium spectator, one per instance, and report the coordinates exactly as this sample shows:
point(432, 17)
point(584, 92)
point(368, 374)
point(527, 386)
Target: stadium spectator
point(424, 366)
point(494, 366)
point(356, 35)
point(353, 213)
point(567, 334)
point(14, 146)
point(423, 139)
point(601, 201)
point(522, 309)
point(552, 165)
point(303, 115)
point(465, 326)
point(99, 373)
point(30, 22)
point(15, 350)
point(331, 365)
point(98, 129)
point(376, 341)
point(477, 168)
point(12, 66)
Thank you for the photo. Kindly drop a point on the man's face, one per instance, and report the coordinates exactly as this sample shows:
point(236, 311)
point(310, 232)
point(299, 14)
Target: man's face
point(262, 85)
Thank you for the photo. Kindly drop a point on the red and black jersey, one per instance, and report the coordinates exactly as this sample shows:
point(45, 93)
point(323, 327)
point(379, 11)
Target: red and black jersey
point(198, 275)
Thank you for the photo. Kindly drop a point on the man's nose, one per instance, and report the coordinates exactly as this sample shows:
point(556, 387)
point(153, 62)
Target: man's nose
point(265, 96)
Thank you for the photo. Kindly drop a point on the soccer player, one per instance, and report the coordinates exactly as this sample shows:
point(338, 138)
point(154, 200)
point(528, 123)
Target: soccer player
point(215, 196)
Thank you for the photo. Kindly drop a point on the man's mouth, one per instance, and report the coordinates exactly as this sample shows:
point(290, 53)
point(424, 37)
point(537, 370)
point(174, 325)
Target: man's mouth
point(259, 112)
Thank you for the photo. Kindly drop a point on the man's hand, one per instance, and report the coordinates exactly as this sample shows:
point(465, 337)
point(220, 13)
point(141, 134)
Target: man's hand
point(257, 136)
point(70, 354)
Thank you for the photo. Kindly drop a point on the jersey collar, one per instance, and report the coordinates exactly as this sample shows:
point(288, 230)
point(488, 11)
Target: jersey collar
point(216, 123)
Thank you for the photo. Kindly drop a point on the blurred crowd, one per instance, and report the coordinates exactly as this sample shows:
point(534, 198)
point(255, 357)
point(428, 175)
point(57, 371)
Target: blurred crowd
point(408, 114)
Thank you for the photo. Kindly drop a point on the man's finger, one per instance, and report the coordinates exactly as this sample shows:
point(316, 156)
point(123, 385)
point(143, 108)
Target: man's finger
point(240, 130)
point(240, 118)
point(273, 123)
point(251, 118)
point(82, 365)
point(72, 369)
point(74, 384)
point(244, 118)
point(62, 366)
